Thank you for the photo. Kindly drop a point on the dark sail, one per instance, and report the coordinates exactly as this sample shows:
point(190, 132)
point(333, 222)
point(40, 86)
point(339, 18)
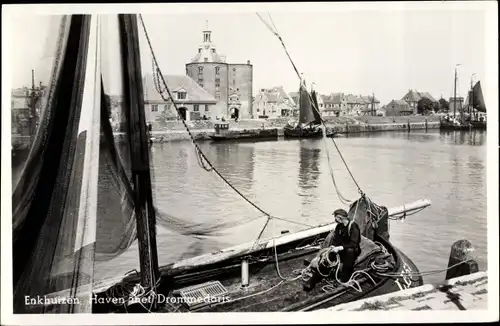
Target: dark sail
point(307, 114)
point(477, 98)
point(315, 109)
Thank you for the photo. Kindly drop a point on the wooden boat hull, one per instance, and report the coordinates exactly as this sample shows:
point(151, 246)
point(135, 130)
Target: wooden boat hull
point(476, 125)
point(290, 132)
point(261, 134)
point(265, 293)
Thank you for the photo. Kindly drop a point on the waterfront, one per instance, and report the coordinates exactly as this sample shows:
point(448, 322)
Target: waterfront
point(291, 179)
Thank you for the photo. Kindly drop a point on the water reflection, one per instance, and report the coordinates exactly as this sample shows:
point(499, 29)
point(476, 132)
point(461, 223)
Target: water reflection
point(235, 160)
point(309, 171)
point(460, 137)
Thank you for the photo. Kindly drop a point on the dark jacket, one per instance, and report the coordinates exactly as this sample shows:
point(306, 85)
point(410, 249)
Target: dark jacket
point(342, 236)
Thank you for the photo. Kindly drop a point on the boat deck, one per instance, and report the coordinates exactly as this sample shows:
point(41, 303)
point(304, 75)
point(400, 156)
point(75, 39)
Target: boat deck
point(268, 292)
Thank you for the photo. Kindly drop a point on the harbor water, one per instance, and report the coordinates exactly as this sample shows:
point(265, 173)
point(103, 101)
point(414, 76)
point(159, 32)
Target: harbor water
point(291, 179)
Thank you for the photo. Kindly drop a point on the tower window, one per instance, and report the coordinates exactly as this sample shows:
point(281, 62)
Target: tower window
point(206, 60)
point(199, 50)
point(213, 50)
point(217, 71)
point(200, 70)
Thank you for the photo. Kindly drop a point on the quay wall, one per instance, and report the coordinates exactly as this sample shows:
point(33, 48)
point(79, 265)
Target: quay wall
point(347, 128)
point(469, 292)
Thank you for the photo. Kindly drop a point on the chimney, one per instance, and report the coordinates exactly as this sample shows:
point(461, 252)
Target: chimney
point(248, 62)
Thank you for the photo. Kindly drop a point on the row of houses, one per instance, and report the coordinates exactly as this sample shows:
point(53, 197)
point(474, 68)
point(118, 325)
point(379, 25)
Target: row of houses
point(276, 102)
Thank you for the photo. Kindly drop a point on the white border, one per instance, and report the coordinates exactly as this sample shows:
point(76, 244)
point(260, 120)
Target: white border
point(490, 90)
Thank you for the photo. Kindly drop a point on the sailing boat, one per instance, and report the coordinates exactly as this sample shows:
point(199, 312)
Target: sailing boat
point(85, 195)
point(309, 124)
point(475, 103)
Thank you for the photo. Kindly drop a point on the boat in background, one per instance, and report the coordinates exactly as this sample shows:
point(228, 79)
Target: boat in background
point(476, 115)
point(223, 133)
point(310, 122)
point(477, 107)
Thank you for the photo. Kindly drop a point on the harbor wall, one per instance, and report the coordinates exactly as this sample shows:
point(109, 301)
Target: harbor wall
point(348, 128)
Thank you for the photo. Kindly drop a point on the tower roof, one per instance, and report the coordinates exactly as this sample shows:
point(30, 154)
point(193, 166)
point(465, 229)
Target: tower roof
point(206, 50)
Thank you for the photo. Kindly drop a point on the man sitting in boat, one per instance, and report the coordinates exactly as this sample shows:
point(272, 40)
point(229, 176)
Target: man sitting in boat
point(344, 240)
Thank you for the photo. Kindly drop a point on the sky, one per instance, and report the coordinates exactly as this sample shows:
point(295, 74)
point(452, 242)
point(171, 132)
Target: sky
point(369, 50)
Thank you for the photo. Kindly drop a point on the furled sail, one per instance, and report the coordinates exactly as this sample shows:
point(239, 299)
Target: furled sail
point(78, 194)
point(83, 184)
point(477, 98)
point(56, 193)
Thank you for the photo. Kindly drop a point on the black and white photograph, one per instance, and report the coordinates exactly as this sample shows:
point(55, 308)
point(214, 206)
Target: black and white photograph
point(167, 161)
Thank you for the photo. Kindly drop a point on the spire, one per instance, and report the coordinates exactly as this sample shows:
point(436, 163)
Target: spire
point(206, 34)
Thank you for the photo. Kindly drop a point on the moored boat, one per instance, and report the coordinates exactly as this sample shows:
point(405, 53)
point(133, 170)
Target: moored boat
point(266, 276)
point(310, 122)
point(475, 105)
point(223, 133)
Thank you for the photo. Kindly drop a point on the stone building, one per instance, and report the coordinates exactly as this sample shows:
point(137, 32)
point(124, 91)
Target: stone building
point(398, 108)
point(193, 102)
point(229, 83)
point(273, 102)
point(335, 104)
point(413, 96)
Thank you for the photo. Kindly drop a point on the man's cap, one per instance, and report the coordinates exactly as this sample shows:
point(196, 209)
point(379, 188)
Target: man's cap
point(340, 212)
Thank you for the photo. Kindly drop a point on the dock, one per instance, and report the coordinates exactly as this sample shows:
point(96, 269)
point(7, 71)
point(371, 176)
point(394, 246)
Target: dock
point(469, 292)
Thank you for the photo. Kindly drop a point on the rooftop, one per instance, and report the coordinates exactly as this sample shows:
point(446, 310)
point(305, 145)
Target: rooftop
point(176, 83)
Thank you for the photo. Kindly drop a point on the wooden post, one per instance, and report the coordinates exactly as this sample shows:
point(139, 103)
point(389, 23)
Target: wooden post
point(460, 251)
point(425, 124)
point(409, 125)
point(346, 127)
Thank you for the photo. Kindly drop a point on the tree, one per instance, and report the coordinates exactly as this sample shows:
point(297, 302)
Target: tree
point(435, 106)
point(443, 104)
point(424, 105)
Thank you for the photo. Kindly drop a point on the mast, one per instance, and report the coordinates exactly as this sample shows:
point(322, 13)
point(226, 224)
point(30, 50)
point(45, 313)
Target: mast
point(144, 210)
point(373, 103)
point(471, 97)
point(455, 94)
point(32, 108)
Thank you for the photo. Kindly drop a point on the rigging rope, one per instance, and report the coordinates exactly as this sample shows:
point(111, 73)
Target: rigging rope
point(200, 155)
point(275, 32)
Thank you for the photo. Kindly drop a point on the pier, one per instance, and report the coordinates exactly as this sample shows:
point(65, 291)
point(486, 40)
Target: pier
point(469, 292)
